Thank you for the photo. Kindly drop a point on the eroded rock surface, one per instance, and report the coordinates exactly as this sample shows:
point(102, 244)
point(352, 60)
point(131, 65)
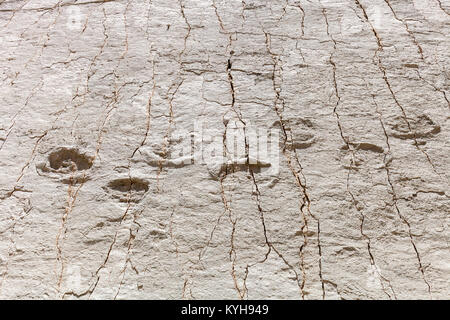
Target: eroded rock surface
point(120, 121)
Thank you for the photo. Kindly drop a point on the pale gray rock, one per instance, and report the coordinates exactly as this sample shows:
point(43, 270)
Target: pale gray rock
point(133, 150)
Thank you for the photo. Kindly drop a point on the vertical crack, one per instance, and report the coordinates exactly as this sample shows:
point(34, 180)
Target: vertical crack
point(395, 198)
point(242, 291)
point(434, 87)
point(442, 7)
point(411, 34)
point(71, 199)
point(350, 148)
point(305, 203)
point(383, 71)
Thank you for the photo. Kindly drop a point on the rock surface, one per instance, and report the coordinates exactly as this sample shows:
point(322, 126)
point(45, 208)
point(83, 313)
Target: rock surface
point(121, 177)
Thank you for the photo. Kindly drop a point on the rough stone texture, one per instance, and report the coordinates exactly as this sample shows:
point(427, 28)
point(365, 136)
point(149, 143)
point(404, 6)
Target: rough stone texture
point(95, 202)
